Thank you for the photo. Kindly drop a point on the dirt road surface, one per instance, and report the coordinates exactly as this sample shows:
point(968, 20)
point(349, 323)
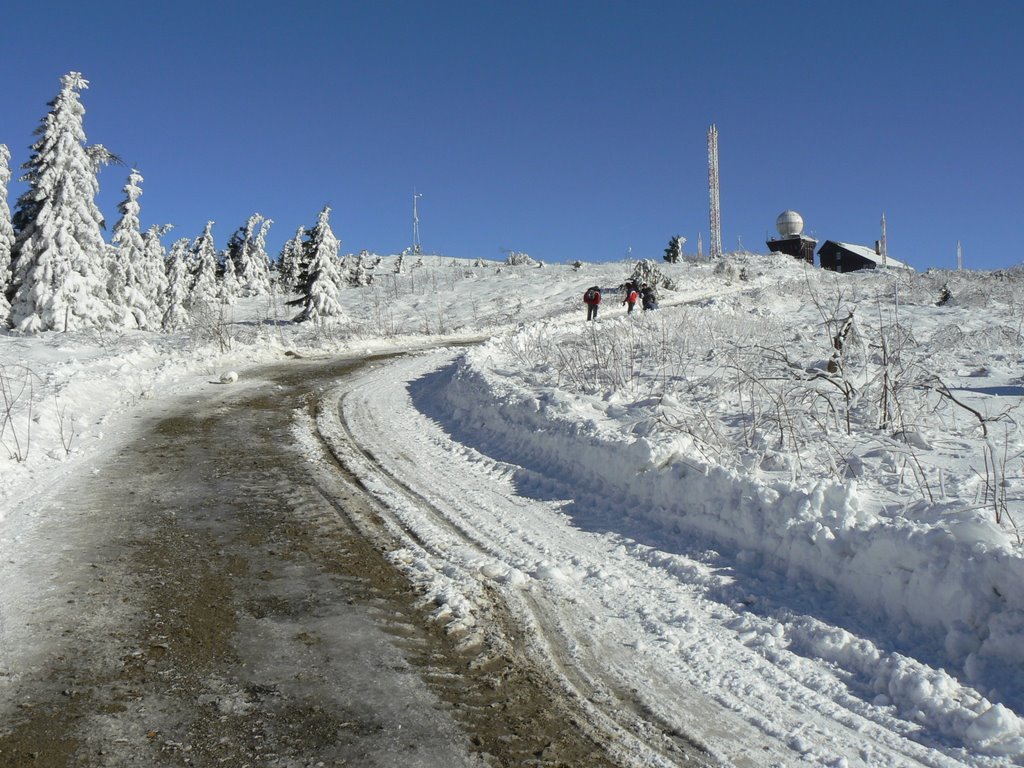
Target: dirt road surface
point(205, 601)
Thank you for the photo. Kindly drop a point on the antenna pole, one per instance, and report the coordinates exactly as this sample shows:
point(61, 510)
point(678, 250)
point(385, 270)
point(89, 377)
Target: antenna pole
point(713, 193)
point(415, 223)
point(959, 256)
point(884, 249)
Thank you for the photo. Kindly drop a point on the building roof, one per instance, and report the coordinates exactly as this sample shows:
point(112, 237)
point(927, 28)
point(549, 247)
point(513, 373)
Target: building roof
point(870, 254)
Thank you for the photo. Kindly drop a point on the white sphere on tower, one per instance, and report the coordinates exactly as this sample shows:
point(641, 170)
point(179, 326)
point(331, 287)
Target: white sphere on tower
point(790, 224)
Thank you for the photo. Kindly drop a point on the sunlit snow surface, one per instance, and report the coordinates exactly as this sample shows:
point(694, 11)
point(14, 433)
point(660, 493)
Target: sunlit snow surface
point(788, 565)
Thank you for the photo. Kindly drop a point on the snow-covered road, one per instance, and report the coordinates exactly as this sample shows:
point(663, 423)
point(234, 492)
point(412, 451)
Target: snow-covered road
point(675, 651)
point(206, 596)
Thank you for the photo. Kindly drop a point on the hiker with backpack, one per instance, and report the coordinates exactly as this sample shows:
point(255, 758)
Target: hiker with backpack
point(592, 297)
point(648, 298)
point(631, 297)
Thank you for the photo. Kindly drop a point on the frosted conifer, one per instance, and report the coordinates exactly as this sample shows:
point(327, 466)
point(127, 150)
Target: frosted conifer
point(321, 283)
point(292, 265)
point(260, 261)
point(154, 264)
point(6, 232)
point(359, 275)
point(229, 288)
point(248, 251)
point(179, 287)
point(59, 276)
point(204, 291)
point(132, 286)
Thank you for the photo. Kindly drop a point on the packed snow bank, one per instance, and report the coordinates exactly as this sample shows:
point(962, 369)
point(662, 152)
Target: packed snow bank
point(937, 592)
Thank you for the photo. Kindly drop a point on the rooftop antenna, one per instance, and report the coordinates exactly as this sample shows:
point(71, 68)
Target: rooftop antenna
point(716, 208)
point(884, 250)
point(415, 223)
point(959, 256)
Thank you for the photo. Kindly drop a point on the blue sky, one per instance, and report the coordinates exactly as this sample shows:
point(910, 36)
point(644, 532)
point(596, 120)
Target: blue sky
point(568, 130)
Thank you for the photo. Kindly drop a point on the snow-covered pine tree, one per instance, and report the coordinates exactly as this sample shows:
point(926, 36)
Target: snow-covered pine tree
point(674, 252)
point(179, 286)
point(320, 286)
point(59, 276)
point(6, 233)
point(261, 260)
point(130, 273)
point(291, 265)
point(154, 265)
point(400, 264)
point(204, 293)
point(228, 288)
point(247, 249)
point(358, 274)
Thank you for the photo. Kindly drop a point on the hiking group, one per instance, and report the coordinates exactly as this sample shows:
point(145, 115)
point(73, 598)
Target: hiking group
point(644, 293)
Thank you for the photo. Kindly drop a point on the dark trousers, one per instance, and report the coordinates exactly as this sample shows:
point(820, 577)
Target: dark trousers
point(591, 311)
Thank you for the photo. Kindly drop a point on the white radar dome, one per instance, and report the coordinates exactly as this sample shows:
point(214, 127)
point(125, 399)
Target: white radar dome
point(790, 223)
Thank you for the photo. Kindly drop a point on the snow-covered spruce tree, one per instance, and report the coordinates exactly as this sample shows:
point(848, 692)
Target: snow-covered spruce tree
point(6, 233)
point(204, 292)
point(358, 275)
point(179, 286)
point(247, 250)
point(154, 265)
point(228, 288)
point(292, 264)
point(59, 276)
point(130, 275)
point(261, 259)
point(674, 252)
point(320, 286)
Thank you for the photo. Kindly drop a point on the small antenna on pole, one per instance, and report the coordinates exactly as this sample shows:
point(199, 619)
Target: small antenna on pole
point(959, 256)
point(415, 223)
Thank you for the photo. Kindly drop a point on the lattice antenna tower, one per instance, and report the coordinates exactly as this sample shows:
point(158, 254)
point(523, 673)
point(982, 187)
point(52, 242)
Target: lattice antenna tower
point(713, 196)
point(959, 256)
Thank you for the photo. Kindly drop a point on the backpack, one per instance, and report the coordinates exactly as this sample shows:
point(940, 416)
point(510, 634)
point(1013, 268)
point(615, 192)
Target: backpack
point(592, 296)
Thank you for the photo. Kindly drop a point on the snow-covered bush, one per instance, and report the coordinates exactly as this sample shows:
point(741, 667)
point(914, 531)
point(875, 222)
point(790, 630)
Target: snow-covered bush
point(519, 259)
point(647, 272)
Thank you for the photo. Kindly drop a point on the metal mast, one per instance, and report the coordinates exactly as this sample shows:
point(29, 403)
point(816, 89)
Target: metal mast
point(884, 250)
point(415, 224)
point(716, 208)
point(959, 256)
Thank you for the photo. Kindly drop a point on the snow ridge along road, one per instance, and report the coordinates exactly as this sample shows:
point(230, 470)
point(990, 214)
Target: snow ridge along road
point(660, 645)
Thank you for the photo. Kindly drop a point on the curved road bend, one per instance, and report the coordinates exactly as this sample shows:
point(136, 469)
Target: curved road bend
point(205, 603)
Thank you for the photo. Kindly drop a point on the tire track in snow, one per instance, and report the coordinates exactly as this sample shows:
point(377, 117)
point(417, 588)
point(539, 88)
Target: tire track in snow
point(391, 429)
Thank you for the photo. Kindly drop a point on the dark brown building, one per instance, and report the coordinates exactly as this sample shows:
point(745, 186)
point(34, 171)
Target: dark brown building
point(844, 257)
point(799, 246)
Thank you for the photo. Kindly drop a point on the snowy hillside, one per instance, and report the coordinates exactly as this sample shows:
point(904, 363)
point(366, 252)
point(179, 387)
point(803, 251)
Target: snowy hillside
point(803, 487)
